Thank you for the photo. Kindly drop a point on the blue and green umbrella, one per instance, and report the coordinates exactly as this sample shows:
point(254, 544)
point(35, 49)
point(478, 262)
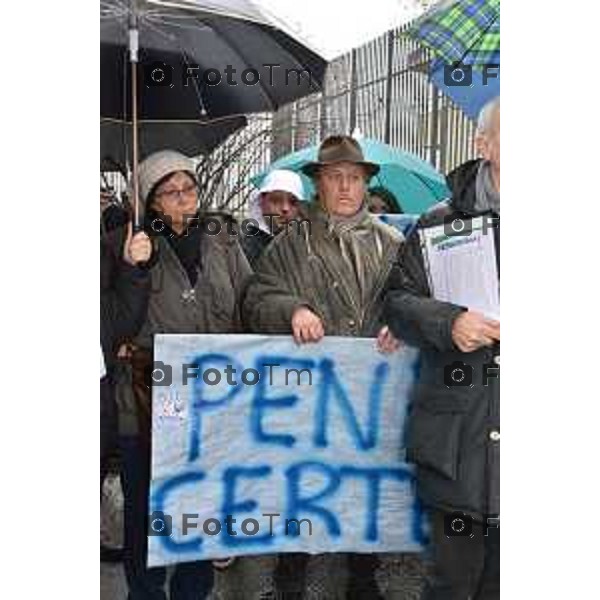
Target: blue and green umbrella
point(466, 33)
point(414, 182)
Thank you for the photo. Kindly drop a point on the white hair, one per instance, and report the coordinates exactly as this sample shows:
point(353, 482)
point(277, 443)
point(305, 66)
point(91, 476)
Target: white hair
point(484, 122)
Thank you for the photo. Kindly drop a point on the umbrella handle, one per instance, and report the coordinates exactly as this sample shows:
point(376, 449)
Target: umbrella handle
point(133, 58)
point(136, 228)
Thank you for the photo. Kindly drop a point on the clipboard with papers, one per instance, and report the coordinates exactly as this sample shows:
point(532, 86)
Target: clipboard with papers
point(462, 268)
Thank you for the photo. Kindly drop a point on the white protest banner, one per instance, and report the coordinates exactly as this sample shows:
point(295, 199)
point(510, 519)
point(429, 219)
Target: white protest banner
point(262, 446)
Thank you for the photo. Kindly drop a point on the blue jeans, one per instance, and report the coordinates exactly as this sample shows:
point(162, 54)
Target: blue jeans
point(190, 581)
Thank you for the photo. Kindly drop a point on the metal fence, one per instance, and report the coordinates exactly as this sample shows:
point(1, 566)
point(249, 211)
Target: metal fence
point(380, 89)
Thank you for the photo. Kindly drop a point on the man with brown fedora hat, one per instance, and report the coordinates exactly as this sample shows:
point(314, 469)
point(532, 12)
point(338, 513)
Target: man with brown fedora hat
point(337, 149)
point(327, 279)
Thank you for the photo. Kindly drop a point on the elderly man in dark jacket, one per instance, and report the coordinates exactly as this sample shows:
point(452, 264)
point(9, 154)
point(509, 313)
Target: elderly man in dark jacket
point(453, 429)
point(325, 277)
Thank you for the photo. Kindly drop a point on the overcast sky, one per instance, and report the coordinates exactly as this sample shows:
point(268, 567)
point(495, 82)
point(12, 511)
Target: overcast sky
point(335, 26)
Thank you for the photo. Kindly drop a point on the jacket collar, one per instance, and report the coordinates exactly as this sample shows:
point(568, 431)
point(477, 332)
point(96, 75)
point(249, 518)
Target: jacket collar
point(461, 182)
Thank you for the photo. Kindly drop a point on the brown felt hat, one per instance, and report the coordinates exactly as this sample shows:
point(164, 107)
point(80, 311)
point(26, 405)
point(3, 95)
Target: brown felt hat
point(336, 149)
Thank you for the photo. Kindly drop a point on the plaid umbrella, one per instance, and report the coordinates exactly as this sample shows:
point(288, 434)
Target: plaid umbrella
point(466, 31)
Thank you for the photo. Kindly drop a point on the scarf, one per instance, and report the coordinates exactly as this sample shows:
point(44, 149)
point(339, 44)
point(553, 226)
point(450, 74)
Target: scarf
point(360, 245)
point(185, 245)
point(486, 196)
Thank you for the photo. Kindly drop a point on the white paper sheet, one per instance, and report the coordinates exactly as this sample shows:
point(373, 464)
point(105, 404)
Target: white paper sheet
point(462, 268)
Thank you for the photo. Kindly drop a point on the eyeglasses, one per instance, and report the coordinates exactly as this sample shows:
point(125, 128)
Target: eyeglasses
point(174, 195)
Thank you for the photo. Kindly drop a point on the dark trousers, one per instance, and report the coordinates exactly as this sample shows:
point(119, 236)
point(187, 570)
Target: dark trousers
point(465, 568)
point(290, 576)
point(190, 581)
point(361, 577)
point(108, 425)
point(108, 449)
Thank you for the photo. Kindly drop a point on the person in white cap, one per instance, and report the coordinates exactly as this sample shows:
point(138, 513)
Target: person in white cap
point(271, 208)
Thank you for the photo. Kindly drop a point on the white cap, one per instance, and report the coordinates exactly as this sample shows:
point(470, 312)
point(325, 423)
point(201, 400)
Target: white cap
point(282, 180)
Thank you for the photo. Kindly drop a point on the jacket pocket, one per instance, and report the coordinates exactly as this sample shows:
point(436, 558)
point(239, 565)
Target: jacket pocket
point(221, 301)
point(433, 434)
point(156, 279)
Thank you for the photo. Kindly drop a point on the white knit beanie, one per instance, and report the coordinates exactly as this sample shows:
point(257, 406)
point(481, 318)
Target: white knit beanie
point(160, 164)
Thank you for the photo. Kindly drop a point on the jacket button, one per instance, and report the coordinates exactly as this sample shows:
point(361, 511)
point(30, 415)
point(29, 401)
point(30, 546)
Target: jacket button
point(497, 359)
point(495, 436)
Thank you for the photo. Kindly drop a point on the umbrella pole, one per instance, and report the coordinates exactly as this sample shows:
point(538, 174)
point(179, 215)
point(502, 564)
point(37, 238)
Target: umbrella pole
point(136, 196)
point(133, 57)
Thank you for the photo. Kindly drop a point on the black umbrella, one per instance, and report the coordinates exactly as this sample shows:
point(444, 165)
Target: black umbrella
point(199, 59)
point(190, 137)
